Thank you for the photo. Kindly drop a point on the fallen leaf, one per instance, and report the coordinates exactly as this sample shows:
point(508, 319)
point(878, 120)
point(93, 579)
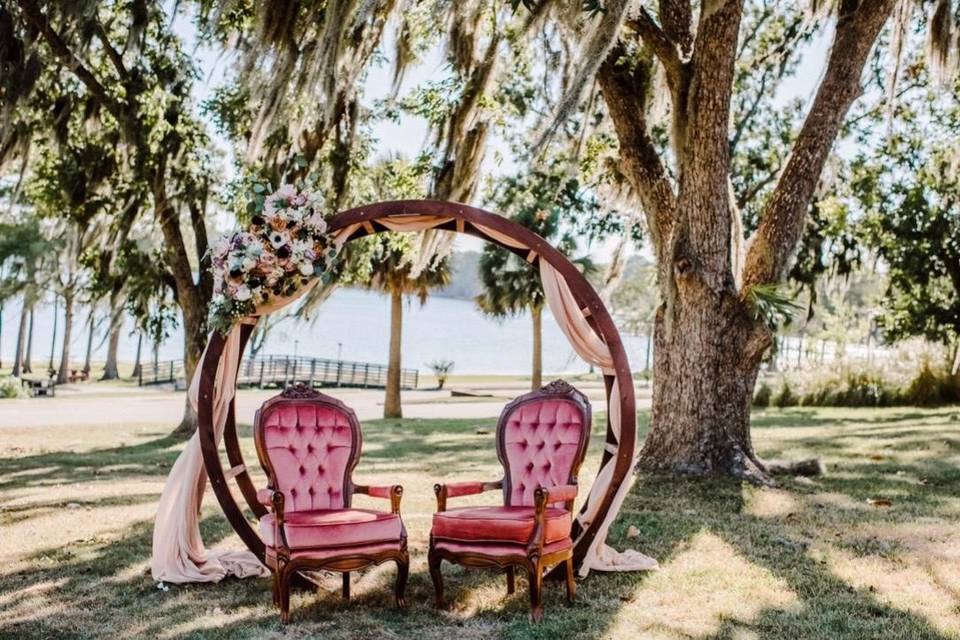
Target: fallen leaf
point(879, 502)
point(877, 456)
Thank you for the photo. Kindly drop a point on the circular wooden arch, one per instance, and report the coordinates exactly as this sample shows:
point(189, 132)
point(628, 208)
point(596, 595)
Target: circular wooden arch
point(464, 217)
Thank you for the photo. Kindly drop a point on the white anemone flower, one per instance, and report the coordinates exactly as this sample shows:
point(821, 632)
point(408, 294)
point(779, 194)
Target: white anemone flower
point(279, 238)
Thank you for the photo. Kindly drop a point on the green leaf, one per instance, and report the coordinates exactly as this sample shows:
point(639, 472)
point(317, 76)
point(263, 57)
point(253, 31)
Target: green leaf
point(769, 305)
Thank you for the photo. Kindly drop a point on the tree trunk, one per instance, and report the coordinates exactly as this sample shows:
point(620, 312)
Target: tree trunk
point(21, 338)
point(536, 379)
point(91, 328)
point(191, 297)
point(391, 402)
point(110, 369)
point(28, 356)
point(136, 360)
point(64, 372)
point(53, 338)
point(704, 369)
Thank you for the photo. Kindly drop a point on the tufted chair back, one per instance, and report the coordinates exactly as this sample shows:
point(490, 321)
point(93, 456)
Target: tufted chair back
point(541, 441)
point(308, 443)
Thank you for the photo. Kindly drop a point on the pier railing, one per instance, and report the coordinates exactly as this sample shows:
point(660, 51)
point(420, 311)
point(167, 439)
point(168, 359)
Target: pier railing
point(280, 371)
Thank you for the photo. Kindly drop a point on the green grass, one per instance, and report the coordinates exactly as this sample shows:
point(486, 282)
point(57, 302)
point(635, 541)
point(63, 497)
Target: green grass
point(813, 559)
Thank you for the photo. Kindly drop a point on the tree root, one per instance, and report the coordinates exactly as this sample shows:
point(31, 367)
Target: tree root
point(739, 463)
point(808, 467)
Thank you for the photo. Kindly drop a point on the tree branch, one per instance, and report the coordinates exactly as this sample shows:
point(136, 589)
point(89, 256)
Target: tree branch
point(782, 222)
point(60, 49)
point(677, 19)
point(624, 91)
point(115, 57)
point(661, 45)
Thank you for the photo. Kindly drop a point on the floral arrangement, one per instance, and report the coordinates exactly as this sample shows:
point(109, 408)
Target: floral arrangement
point(282, 249)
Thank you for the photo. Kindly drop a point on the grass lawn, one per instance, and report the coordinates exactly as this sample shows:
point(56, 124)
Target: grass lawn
point(814, 559)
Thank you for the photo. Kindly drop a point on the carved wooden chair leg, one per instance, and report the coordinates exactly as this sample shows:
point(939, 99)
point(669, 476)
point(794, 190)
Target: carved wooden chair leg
point(403, 570)
point(571, 582)
point(346, 585)
point(284, 579)
point(511, 580)
point(275, 585)
point(434, 560)
point(535, 574)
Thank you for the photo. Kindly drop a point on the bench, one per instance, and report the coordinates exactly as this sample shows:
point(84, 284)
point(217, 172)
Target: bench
point(46, 388)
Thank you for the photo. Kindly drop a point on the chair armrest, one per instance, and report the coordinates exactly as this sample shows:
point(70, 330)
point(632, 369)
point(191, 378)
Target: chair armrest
point(393, 492)
point(561, 493)
point(272, 498)
point(455, 489)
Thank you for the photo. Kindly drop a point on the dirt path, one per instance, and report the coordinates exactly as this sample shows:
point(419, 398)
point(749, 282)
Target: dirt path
point(95, 404)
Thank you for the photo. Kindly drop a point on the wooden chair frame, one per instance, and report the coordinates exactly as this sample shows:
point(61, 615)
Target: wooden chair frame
point(285, 566)
point(533, 560)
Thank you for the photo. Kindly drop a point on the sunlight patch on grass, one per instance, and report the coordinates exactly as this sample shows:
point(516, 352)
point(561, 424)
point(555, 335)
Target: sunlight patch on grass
point(705, 583)
point(211, 618)
point(771, 503)
point(31, 536)
point(31, 601)
point(914, 567)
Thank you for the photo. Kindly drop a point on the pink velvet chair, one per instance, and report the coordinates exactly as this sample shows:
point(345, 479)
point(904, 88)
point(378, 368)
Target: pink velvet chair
point(541, 441)
point(308, 444)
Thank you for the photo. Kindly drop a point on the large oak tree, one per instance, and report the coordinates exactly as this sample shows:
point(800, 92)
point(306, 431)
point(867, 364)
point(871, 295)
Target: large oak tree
point(709, 335)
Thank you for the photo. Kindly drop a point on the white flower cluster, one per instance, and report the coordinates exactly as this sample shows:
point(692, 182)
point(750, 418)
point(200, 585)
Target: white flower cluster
point(284, 247)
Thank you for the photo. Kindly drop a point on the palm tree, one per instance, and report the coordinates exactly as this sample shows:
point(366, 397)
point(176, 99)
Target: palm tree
point(391, 263)
point(537, 200)
point(26, 251)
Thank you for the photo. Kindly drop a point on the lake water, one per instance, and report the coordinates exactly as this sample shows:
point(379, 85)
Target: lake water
point(359, 321)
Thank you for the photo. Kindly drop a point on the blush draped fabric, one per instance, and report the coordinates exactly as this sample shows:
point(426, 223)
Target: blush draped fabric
point(593, 349)
point(178, 551)
point(179, 554)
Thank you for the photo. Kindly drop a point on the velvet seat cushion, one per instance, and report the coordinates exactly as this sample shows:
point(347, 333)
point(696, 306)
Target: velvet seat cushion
point(499, 524)
point(333, 528)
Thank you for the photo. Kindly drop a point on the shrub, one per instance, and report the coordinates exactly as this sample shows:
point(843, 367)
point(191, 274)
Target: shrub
point(762, 397)
point(902, 381)
point(785, 396)
point(10, 387)
point(852, 388)
point(931, 386)
point(441, 369)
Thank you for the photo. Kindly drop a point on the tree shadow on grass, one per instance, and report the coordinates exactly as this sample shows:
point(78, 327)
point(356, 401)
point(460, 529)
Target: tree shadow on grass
point(671, 513)
point(150, 458)
point(831, 512)
point(96, 588)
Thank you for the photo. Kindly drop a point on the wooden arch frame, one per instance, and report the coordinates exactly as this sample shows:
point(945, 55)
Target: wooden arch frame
point(464, 220)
